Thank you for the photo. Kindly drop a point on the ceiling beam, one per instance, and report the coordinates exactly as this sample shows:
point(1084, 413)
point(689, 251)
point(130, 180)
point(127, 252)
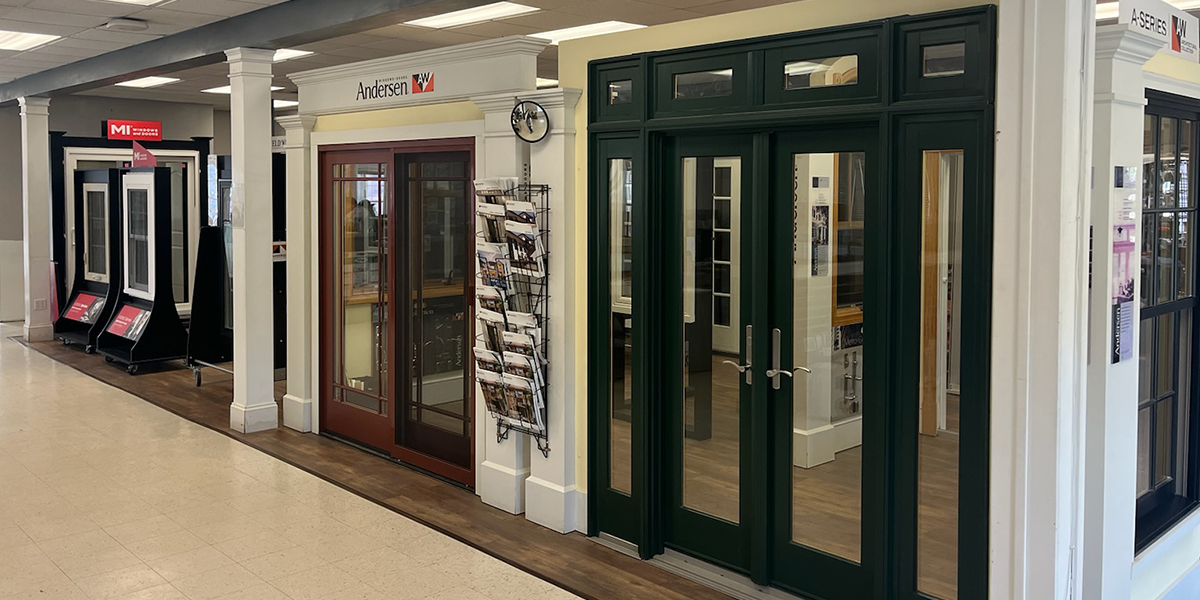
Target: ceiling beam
point(292, 23)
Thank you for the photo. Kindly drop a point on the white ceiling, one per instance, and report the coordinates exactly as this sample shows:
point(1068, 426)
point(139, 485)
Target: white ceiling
point(78, 20)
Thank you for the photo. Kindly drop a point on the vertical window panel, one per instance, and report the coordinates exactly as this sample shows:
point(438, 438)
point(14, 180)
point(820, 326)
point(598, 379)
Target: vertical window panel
point(620, 402)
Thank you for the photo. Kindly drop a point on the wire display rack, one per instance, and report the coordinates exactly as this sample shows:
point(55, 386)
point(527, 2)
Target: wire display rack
point(512, 306)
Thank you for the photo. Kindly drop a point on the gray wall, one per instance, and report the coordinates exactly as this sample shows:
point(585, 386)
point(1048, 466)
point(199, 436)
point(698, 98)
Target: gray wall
point(81, 116)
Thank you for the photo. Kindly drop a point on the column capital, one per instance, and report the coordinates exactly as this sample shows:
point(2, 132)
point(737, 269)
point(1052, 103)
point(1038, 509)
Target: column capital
point(301, 122)
point(1126, 43)
point(252, 62)
point(34, 105)
point(554, 98)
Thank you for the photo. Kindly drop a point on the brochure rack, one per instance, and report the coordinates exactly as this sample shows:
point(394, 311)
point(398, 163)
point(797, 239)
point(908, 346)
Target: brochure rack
point(512, 306)
point(97, 282)
point(145, 326)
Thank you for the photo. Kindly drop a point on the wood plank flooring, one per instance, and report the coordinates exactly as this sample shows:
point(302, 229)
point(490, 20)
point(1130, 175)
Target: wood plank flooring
point(569, 561)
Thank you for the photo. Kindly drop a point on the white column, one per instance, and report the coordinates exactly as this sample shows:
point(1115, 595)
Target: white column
point(1039, 296)
point(1110, 465)
point(552, 498)
point(299, 402)
point(505, 466)
point(35, 191)
point(254, 407)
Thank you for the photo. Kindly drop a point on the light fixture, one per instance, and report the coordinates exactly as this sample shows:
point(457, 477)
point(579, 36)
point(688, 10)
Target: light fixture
point(546, 82)
point(283, 54)
point(479, 14)
point(147, 82)
point(228, 89)
point(285, 103)
point(582, 31)
point(19, 40)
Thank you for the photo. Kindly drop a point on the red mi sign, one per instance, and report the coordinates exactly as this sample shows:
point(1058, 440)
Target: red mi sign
point(133, 130)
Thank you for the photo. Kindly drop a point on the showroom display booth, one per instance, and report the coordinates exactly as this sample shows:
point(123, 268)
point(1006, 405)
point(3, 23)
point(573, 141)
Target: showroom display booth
point(97, 282)
point(186, 160)
point(144, 327)
point(399, 261)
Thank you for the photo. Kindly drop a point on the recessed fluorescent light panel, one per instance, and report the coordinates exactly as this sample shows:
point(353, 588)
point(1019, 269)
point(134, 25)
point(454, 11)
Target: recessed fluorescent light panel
point(479, 14)
point(19, 40)
point(228, 89)
point(283, 54)
point(582, 31)
point(148, 82)
point(285, 103)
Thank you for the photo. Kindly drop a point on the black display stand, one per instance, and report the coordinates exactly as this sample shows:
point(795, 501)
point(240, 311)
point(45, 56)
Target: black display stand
point(210, 342)
point(144, 330)
point(90, 306)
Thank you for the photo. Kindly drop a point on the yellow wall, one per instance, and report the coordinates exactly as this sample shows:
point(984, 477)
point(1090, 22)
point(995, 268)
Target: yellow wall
point(572, 73)
point(398, 117)
point(1173, 67)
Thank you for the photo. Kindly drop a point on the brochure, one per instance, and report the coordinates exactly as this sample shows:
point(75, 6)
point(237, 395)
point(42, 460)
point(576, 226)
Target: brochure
point(525, 243)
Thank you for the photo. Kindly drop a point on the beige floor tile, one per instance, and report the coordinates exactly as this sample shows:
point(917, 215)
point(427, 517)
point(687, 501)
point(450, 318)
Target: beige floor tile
point(259, 592)
point(315, 583)
point(119, 582)
point(220, 582)
point(233, 528)
point(344, 546)
point(417, 584)
point(48, 527)
point(54, 590)
point(260, 542)
point(284, 563)
point(158, 592)
point(82, 566)
point(210, 511)
point(144, 529)
point(194, 562)
point(378, 564)
point(462, 593)
point(12, 537)
point(361, 591)
point(78, 543)
point(176, 542)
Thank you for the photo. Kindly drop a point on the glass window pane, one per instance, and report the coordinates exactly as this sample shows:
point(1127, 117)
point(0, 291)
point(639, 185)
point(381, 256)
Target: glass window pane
point(97, 232)
point(1149, 161)
point(821, 72)
point(179, 231)
point(937, 468)
point(363, 251)
point(712, 389)
point(944, 60)
point(139, 240)
point(1183, 400)
point(620, 92)
point(1143, 459)
point(1167, 266)
point(704, 84)
point(1165, 357)
point(827, 486)
point(620, 194)
point(1167, 167)
point(1186, 132)
point(1146, 362)
point(848, 234)
point(721, 249)
point(1149, 239)
point(1163, 440)
point(1184, 253)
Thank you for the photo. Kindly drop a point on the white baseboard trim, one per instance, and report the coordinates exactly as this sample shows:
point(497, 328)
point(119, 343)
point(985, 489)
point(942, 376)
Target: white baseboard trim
point(297, 413)
point(252, 419)
point(502, 487)
point(817, 446)
point(551, 505)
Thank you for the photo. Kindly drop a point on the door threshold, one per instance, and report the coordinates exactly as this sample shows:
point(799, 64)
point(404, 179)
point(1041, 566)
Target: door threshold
point(388, 457)
point(723, 580)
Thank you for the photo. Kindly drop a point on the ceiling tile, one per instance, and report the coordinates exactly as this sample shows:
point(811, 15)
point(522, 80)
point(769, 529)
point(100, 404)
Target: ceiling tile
point(86, 7)
point(175, 17)
point(99, 46)
point(360, 53)
point(27, 27)
point(104, 35)
point(225, 8)
point(497, 29)
point(630, 11)
point(729, 6)
point(58, 49)
point(54, 17)
point(687, 4)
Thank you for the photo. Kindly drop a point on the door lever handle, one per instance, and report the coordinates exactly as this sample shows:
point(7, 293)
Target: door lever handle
point(749, 347)
point(774, 372)
point(740, 368)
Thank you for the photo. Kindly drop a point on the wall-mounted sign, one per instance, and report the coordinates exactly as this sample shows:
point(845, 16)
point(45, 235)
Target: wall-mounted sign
point(1176, 28)
point(1126, 260)
point(530, 121)
point(278, 143)
point(146, 131)
point(391, 87)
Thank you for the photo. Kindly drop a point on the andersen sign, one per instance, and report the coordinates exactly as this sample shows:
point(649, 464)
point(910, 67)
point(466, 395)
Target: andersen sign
point(1177, 29)
point(429, 77)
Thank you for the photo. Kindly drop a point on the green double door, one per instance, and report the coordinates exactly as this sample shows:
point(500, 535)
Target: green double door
point(770, 457)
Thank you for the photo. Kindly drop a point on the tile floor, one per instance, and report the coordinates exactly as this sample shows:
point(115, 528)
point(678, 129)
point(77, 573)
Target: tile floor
point(103, 495)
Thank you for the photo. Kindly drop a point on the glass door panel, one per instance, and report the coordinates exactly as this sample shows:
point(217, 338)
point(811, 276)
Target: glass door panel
point(436, 419)
point(712, 352)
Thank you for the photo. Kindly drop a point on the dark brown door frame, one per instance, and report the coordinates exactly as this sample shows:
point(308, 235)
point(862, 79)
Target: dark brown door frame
point(387, 153)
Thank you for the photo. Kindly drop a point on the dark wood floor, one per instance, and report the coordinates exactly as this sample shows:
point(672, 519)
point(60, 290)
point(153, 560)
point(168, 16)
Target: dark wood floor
point(569, 561)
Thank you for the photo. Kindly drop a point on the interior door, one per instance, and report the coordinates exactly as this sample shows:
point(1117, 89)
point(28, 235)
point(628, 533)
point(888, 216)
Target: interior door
point(708, 370)
point(826, 390)
point(435, 421)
